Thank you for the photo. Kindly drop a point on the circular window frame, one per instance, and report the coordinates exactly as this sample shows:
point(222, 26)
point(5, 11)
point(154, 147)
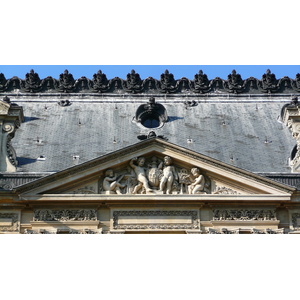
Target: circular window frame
point(151, 112)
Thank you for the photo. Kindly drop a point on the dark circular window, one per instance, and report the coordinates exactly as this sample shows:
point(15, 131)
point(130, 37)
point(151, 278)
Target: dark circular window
point(150, 121)
point(151, 115)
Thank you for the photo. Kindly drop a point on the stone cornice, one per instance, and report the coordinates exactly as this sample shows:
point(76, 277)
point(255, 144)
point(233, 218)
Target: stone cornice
point(151, 143)
point(133, 84)
point(100, 198)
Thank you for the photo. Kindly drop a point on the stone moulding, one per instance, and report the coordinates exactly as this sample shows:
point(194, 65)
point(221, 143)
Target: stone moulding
point(194, 224)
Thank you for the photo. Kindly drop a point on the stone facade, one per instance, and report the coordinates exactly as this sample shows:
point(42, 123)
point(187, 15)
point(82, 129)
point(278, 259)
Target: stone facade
point(107, 156)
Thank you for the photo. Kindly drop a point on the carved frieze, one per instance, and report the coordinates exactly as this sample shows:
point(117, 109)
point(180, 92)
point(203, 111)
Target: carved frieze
point(222, 190)
point(9, 222)
point(154, 175)
point(65, 215)
point(244, 215)
point(190, 218)
point(62, 231)
point(241, 231)
point(296, 220)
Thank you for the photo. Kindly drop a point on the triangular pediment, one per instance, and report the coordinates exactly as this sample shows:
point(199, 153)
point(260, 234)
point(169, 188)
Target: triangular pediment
point(144, 169)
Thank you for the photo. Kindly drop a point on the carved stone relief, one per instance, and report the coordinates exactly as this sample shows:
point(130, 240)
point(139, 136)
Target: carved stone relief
point(191, 215)
point(268, 82)
point(222, 190)
point(32, 82)
point(11, 117)
point(133, 84)
point(100, 82)
point(66, 82)
point(239, 231)
point(244, 215)
point(200, 83)
point(155, 176)
point(234, 83)
point(290, 115)
point(64, 231)
point(268, 231)
point(65, 215)
point(296, 220)
point(9, 222)
point(167, 82)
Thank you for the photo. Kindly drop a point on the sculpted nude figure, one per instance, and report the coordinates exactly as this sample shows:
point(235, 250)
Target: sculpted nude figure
point(140, 172)
point(198, 183)
point(110, 182)
point(169, 175)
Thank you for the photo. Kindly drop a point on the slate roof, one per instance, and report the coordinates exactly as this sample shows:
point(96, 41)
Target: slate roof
point(241, 130)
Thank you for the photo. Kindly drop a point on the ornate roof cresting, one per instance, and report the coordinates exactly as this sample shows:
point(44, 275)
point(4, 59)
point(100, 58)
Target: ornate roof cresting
point(166, 84)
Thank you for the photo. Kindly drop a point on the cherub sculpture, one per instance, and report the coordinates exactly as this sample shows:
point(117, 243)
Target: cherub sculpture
point(111, 183)
point(199, 181)
point(169, 175)
point(137, 164)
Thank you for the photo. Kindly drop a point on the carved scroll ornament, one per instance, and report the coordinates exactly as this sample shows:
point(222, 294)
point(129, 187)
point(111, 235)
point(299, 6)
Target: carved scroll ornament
point(65, 215)
point(244, 215)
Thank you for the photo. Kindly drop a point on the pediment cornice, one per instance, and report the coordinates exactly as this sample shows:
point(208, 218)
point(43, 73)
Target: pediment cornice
point(183, 157)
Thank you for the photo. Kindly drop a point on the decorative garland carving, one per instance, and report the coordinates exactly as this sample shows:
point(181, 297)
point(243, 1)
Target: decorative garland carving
point(68, 231)
point(244, 215)
point(192, 214)
point(15, 222)
point(295, 216)
point(167, 84)
point(225, 191)
point(65, 215)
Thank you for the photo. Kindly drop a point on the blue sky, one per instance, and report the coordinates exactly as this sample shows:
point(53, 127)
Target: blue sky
point(155, 71)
